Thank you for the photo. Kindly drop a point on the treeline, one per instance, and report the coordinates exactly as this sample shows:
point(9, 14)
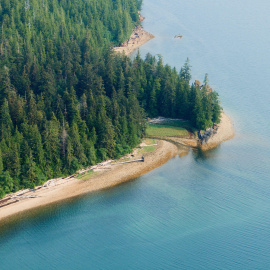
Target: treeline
point(67, 101)
point(57, 114)
point(165, 92)
point(38, 25)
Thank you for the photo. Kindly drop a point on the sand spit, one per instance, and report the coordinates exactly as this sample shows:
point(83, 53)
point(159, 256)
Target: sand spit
point(110, 176)
point(225, 132)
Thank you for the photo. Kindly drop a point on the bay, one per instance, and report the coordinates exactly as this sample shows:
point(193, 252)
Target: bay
point(201, 211)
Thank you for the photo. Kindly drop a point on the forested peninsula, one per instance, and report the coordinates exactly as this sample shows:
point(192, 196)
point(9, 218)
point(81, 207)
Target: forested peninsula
point(67, 100)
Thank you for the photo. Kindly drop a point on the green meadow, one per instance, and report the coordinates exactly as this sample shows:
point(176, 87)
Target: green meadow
point(158, 130)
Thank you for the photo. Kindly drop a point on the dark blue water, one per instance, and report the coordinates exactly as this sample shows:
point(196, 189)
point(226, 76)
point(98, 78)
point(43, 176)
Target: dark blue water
point(201, 211)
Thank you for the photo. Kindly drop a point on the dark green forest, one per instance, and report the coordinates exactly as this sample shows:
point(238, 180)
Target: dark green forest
point(68, 101)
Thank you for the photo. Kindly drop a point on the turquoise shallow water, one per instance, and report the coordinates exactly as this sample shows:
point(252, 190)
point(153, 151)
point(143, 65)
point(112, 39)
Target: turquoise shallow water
point(201, 211)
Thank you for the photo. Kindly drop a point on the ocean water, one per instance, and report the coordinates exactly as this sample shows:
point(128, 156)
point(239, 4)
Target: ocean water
point(201, 211)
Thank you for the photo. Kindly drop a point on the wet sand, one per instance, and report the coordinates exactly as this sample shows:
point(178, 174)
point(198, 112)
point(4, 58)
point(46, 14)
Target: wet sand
point(111, 175)
point(107, 177)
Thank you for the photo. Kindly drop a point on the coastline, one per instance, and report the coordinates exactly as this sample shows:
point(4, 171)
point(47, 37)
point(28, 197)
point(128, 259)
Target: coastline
point(113, 174)
point(73, 188)
point(225, 132)
point(138, 37)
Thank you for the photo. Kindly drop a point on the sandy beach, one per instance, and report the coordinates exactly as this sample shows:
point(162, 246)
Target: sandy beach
point(138, 37)
point(107, 177)
point(24, 202)
point(225, 132)
point(108, 174)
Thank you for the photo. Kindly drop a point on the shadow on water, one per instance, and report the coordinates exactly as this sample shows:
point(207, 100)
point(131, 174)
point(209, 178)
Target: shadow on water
point(12, 225)
point(15, 223)
point(200, 155)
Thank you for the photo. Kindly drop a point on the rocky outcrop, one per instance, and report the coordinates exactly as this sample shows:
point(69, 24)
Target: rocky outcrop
point(213, 137)
point(205, 136)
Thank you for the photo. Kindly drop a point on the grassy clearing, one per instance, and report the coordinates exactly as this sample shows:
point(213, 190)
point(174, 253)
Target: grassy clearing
point(178, 123)
point(147, 149)
point(86, 176)
point(158, 130)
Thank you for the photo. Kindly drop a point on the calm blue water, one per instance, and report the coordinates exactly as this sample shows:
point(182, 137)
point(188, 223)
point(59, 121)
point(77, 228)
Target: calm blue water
point(201, 211)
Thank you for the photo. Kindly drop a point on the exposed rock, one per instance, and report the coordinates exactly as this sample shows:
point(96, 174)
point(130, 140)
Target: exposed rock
point(204, 137)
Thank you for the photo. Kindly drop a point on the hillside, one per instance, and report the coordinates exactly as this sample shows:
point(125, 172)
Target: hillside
point(67, 101)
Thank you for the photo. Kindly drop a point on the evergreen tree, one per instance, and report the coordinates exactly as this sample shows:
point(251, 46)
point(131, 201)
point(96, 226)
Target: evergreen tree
point(185, 72)
point(30, 171)
point(5, 121)
point(1, 162)
point(6, 183)
point(13, 161)
point(68, 101)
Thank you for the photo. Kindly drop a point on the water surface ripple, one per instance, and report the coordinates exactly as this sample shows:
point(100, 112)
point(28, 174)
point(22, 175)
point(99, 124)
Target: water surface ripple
point(201, 211)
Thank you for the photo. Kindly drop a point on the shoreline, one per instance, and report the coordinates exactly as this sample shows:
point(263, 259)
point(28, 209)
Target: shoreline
point(138, 37)
point(74, 187)
point(52, 193)
point(224, 133)
point(109, 174)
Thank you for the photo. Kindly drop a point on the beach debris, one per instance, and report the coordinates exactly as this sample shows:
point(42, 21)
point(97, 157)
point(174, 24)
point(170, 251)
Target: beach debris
point(15, 197)
point(137, 38)
point(160, 120)
point(130, 161)
point(136, 34)
point(29, 193)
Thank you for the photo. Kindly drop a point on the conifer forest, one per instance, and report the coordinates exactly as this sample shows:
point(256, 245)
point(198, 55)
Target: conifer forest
point(67, 100)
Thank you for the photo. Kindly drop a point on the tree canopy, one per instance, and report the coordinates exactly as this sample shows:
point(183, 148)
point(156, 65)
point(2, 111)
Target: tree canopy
point(68, 101)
